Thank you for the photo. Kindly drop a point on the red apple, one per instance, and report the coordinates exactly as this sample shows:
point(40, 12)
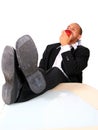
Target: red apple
point(68, 32)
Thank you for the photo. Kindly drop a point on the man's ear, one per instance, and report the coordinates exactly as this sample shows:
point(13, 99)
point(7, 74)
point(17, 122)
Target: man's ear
point(79, 37)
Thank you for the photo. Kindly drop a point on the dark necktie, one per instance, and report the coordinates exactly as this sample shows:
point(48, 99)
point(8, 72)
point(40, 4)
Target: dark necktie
point(72, 49)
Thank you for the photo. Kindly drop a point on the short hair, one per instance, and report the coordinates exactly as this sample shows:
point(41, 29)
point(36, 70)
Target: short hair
point(81, 30)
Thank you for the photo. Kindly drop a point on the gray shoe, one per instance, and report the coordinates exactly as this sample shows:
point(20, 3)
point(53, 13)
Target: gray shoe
point(11, 88)
point(28, 59)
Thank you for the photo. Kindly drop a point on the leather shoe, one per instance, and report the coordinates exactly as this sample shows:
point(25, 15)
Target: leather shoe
point(27, 56)
point(11, 88)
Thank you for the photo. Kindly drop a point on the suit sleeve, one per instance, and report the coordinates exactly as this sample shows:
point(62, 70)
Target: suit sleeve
point(44, 60)
point(75, 63)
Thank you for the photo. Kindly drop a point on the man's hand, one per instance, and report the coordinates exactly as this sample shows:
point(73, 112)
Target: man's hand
point(64, 38)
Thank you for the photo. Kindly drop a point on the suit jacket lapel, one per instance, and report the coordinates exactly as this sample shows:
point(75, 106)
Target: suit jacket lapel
point(54, 53)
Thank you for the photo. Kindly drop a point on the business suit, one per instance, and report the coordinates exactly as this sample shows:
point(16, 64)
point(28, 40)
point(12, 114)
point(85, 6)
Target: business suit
point(73, 63)
point(27, 80)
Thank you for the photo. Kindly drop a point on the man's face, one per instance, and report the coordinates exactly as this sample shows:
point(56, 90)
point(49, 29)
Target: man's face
point(75, 29)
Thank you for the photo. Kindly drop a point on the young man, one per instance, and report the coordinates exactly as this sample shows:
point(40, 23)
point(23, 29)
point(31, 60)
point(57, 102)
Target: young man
point(61, 62)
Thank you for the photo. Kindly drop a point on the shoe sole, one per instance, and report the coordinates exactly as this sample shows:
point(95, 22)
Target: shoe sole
point(27, 56)
point(10, 88)
point(8, 63)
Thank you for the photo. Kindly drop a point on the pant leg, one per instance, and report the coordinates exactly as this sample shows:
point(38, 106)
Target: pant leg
point(53, 77)
point(25, 93)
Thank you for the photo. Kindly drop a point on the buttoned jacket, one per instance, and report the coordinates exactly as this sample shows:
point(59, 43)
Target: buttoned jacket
point(73, 61)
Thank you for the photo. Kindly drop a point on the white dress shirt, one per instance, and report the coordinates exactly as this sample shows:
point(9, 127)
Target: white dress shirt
point(58, 60)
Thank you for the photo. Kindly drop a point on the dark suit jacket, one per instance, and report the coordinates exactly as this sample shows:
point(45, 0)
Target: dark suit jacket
point(73, 63)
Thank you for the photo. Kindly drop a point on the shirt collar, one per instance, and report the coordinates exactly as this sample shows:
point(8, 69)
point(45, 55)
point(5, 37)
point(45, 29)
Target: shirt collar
point(75, 45)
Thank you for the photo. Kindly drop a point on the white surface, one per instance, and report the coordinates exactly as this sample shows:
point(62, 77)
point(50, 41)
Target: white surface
point(54, 109)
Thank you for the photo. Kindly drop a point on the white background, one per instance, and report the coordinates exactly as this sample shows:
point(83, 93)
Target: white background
point(44, 20)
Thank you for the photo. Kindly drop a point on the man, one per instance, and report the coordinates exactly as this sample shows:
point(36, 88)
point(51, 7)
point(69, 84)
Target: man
point(61, 62)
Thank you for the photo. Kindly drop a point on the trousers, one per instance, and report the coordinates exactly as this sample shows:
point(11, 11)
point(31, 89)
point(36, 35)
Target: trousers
point(53, 77)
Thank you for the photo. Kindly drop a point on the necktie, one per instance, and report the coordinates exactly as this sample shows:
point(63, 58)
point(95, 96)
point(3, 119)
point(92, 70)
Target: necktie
point(72, 49)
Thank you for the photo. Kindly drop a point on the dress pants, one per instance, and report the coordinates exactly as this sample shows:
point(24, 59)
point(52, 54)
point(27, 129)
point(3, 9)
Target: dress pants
point(53, 77)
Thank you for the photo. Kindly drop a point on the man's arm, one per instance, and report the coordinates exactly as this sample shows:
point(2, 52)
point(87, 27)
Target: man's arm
point(74, 63)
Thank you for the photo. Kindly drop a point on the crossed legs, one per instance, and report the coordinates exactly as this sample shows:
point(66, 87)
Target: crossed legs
point(18, 65)
point(24, 80)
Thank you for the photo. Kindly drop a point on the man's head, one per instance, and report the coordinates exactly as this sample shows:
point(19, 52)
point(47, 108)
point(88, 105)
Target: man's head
point(76, 33)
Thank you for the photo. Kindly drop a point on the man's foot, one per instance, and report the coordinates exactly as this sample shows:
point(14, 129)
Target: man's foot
point(28, 59)
point(11, 88)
